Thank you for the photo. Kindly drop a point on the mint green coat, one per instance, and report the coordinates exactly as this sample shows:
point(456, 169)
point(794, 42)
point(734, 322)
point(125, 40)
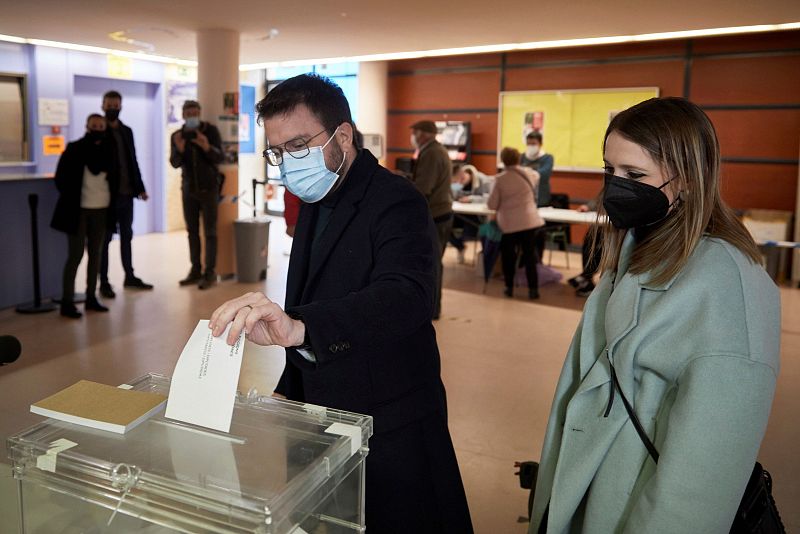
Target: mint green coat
point(698, 358)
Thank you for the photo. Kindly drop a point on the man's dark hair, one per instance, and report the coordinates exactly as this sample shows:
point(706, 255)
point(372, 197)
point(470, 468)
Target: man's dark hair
point(323, 98)
point(93, 116)
point(534, 135)
point(112, 94)
point(191, 104)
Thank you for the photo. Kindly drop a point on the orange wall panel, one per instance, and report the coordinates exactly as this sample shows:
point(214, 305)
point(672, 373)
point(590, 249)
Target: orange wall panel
point(747, 43)
point(765, 133)
point(744, 80)
point(460, 90)
point(655, 48)
point(666, 75)
point(746, 185)
point(446, 62)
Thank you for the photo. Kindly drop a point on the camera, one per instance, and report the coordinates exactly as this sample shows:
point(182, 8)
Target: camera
point(189, 134)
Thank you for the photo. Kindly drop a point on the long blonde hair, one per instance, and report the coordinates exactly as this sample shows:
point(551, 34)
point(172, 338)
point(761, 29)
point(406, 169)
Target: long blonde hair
point(679, 136)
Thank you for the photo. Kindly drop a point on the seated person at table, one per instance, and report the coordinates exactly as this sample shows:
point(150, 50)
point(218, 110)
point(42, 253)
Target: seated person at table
point(468, 182)
point(584, 282)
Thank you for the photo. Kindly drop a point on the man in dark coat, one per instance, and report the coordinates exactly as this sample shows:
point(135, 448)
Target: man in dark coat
point(432, 172)
point(84, 196)
point(197, 149)
point(359, 304)
point(125, 173)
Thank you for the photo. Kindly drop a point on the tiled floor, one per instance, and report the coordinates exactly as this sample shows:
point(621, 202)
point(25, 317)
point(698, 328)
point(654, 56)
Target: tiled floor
point(500, 357)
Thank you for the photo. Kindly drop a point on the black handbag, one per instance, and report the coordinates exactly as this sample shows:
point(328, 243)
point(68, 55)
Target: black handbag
point(757, 513)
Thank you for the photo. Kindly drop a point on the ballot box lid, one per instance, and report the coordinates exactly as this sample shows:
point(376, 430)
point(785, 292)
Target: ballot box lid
point(269, 472)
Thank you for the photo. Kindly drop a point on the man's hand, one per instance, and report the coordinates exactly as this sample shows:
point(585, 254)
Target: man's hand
point(202, 141)
point(180, 142)
point(263, 322)
point(144, 196)
point(583, 208)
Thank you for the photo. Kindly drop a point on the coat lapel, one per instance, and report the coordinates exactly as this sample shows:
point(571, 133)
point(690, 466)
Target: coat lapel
point(298, 260)
point(353, 190)
point(587, 434)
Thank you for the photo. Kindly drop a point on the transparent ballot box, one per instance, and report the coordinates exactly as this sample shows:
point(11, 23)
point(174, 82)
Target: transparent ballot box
point(285, 467)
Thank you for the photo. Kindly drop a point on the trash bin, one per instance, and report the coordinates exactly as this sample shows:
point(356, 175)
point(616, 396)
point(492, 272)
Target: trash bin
point(252, 244)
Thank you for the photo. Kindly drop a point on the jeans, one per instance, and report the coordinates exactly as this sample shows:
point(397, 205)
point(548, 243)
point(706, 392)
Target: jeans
point(91, 228)
point(195, 204)
point(124, 214)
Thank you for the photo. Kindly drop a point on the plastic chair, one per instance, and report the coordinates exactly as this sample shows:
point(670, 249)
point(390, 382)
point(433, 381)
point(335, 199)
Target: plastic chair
point(558, 234)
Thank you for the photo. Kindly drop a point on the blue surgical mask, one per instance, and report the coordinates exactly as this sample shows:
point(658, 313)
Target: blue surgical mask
point(192, 122)
point(308, 178)
point(456, 189)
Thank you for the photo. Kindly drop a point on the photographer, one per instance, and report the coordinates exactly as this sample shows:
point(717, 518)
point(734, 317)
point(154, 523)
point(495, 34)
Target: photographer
point(197, 150)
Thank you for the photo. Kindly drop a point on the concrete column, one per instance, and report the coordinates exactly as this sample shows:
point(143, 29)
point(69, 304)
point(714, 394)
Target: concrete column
point(373, 83)
point(217, 74)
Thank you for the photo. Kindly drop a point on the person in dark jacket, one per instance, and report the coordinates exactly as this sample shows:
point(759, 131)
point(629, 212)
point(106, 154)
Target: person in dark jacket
point(537, 159)
point(432, 172)
point(359, 304)
point(197, 150)
point(84, 196)
point(125, 173)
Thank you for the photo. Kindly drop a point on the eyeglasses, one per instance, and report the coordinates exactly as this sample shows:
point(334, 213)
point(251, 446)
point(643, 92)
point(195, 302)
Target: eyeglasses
point(297, 148)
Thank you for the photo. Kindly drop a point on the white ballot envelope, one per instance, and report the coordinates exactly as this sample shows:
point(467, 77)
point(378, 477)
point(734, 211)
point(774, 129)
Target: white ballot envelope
point(203, 389)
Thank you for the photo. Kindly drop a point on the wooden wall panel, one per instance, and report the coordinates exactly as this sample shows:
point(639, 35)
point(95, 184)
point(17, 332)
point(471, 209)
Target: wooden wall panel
point(747, 43)
point(655, 48)
point(446, 62)
point(758, 133)
point(746, 185)
point(746, 80)
point(460, 90)
point(580, 187)
point(667, 75)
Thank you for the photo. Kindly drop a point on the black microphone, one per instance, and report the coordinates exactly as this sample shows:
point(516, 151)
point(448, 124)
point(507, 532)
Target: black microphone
point(10, 349)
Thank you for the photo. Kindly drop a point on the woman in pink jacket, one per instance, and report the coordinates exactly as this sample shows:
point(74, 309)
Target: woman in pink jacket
point(515, 201)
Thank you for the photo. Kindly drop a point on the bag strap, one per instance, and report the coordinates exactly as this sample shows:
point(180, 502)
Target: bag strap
point(524, 177)
point(635, 420)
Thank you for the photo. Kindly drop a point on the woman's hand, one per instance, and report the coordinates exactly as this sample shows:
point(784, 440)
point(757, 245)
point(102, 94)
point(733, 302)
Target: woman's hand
point(263, 322)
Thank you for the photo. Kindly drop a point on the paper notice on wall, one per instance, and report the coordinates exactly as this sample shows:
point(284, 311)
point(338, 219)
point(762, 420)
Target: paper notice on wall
point(203, 389)
point(53, 111)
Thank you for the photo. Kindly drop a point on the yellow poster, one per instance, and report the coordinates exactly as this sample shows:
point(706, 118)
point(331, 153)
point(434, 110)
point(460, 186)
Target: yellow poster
point(572, 122)
point(53, 145)
point(120, 67)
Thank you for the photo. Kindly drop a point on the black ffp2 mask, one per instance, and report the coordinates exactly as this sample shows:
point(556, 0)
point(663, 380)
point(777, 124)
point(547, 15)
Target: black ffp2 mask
point(633, 204)
point(112, 114)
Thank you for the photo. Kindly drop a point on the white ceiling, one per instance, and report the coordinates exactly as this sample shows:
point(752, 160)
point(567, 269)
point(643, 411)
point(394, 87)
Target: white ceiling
point(315, 29)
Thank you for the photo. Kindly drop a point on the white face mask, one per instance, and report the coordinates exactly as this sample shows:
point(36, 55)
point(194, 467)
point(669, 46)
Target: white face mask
point(531, 151)
point(413, 141)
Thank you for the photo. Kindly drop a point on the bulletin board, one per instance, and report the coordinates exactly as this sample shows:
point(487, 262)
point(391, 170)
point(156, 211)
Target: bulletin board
point(572, 122)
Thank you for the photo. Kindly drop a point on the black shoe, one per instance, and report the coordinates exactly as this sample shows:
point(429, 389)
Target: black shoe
point(509, 292)
point(533, 294)
point(207, 281)
point(92, 304)
point(136, 283)
point(577, 281)
point(69, 310)
point(191, 279)
point(107, 291)
point(586, 289)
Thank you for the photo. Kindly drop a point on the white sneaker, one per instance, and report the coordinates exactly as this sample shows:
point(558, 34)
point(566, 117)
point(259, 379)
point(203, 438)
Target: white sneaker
point(461, 259)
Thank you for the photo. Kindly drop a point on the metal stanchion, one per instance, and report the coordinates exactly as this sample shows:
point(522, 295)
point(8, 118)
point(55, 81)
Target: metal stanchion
point(37, 306)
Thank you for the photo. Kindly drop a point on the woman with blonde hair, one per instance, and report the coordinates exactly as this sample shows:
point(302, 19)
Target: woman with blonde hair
point(678, 345)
